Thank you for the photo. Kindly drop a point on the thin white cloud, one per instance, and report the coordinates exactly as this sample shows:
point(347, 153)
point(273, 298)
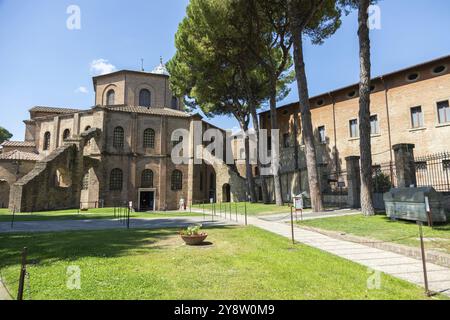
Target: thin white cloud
point(101, 66)
point(82, 89)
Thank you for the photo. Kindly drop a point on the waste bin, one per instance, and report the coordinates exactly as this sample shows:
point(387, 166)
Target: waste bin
point(409, 204)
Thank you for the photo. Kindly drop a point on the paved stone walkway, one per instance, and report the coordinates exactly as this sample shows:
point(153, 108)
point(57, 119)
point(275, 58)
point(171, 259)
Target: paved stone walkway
point(397, 265)
point(4, 295)
point(102, 224)
point(394, 264)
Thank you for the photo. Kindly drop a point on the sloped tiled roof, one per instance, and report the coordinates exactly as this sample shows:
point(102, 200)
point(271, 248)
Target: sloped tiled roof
point(154, 111)
point(53, 109)
point(29, 144)
point(19, 155)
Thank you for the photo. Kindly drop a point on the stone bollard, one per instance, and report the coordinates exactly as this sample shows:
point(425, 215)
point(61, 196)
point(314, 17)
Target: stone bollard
point(404, 165)
point(354, 182)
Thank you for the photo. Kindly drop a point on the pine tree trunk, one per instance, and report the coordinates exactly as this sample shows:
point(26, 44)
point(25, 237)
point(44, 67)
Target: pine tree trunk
point(265, 193)
point(364, 110)
point(295, 131)
point(248, 168)
point(305, 110)
point(275, 148)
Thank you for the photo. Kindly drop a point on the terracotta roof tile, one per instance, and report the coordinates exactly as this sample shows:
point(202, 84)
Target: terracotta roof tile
point(19, 155)
point(53, 109)
point(154, 111)
point(18, 144)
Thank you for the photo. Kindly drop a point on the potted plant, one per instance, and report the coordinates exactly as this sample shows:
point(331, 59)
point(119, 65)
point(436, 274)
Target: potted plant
point(193, 235)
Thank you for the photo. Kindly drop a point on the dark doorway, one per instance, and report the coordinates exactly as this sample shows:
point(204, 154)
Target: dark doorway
point(147, 201)
point(226, 193)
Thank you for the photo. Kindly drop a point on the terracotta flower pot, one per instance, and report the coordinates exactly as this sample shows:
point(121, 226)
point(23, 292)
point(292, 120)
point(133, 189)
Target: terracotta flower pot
point(194, 240)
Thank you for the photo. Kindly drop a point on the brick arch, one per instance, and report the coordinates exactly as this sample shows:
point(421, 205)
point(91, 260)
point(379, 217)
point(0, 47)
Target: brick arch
point(105, 92)
point(149, 88)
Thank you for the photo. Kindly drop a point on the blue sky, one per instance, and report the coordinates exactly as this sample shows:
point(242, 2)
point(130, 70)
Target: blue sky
point(44, 63)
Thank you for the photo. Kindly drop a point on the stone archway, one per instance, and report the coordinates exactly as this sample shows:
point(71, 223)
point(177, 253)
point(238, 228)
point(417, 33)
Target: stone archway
point(4, 194)
point(226, 193)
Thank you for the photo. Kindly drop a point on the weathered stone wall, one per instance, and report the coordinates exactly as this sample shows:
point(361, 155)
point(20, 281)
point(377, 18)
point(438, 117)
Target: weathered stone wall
point(54, 182)
point(11, 171)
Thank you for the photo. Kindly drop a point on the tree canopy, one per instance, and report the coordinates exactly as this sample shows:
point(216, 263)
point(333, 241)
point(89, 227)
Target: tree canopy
point(4, 135)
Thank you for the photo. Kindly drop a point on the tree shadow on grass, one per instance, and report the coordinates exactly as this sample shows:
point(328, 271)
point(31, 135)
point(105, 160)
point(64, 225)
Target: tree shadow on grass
point(45, 248)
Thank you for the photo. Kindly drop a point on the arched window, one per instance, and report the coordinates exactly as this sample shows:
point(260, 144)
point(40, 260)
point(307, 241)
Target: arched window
point(177, 180)
point(145, 98)
point(147, 179)
point(110, 97)
point(66, 134)
point(176, 142)
point(118, 137)
point(116, 180)
point(149, 138)
point(174, 102)
point(47, 137)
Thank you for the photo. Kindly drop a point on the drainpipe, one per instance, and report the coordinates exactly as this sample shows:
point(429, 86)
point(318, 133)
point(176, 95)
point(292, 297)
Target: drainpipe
point(386, 89)
point(334, 130)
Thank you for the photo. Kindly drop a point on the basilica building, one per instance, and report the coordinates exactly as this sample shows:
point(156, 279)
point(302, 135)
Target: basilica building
point(117, 152)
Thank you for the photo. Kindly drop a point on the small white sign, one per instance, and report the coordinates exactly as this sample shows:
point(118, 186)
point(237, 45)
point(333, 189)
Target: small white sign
point(298, 203)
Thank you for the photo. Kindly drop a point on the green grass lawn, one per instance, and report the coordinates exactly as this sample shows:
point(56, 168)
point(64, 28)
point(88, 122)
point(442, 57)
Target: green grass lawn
point(382, 228)
point(252, 208)
point(101, 213)
point(241, 263)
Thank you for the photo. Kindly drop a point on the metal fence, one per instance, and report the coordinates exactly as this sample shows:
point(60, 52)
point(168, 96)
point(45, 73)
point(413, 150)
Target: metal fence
point(434, 171)
point(384, 177)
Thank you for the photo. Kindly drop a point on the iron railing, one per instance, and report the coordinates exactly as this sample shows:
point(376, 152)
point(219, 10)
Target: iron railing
point(433, 171)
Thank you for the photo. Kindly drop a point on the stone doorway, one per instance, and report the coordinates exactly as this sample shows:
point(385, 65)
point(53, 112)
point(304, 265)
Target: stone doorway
point(146, 200)
point(226, 193)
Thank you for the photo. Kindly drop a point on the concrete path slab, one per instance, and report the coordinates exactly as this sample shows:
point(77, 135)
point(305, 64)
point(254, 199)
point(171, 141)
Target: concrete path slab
point(402, 267)
point(104, 224)
point(4, 295)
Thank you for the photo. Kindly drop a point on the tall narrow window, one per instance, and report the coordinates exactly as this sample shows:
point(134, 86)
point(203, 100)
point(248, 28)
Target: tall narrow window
point(147, 179)
point(66, 134)
point(446, 165)
point(176, 142)
point(116, 180)
point(443, 112)
point(145, 98)
point(174, 103)
point(85, 182)
point(177, 180)
point(286, 140)
point(149, 138)
point(269, 143)
point(374, 125)
point(47, 137)
point(111, 98)
point(322, 136)
point(416, 117)
point(354, 130)
point(118, 137)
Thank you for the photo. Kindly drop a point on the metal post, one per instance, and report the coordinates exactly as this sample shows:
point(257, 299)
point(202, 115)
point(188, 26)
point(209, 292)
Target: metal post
point(13, 217)
point(23, 272)
point(128, 218)
point(245, 211)
point(203, 207)
point(235, 208)
point(424, 262)
point(292, 226)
